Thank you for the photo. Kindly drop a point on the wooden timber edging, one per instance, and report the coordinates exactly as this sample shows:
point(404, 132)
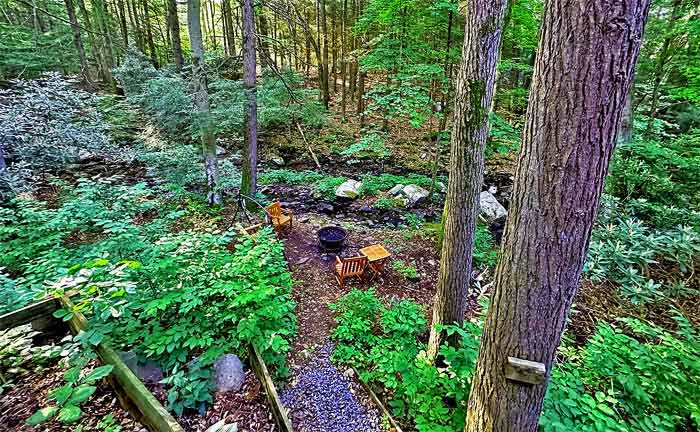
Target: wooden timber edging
point(378, 402)
point(273, 400)
point(131, 392)
point(133, 395)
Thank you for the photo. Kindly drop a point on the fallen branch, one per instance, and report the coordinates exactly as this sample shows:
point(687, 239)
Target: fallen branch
point(313, 155)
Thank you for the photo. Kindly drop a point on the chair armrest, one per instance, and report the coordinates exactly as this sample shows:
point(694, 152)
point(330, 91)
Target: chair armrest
point(338, 260)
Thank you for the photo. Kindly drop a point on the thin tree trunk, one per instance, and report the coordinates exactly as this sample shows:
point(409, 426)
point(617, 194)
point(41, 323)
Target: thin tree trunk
point(149, 34)
point(662, 58)
point(201, 99)
point(249, 171)
point(475, 88)
point(174, 26)
point(583, 72)
point(265, 57)
point(324, 69)
point(3, 165)
point(105, 42)
point(228, 19)
point(334, 50)
point(308, 49)
point(135, 23)
point(77, 39)
point(343, 59)
point(212, 20)
point(122, 23)
point(91, 36)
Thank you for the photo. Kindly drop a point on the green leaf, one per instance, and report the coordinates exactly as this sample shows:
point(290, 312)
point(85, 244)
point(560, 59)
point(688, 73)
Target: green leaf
point(81, 394)
point(98, 373)
point(69, 414)
point(42, 415)
point(61, 394)
point(71, 375)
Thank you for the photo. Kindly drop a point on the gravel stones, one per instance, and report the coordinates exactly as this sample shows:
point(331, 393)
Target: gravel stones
point(321, 399)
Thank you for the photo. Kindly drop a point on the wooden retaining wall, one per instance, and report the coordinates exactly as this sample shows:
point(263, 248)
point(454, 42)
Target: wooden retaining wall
point(131, 392)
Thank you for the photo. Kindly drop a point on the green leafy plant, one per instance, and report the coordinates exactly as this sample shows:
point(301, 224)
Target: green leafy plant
point(79, 387)
point(406, 270)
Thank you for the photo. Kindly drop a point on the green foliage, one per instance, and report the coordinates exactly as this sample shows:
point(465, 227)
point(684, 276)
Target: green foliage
point(387, 203)
point(79, 387)
point(368, 147)
point(408, 271)
point(631, 377)
point(484, 253)
point(504, 137)
point(625, 252)
point(189, 389)
point(382, 343)
point(373, 184)
point(658, 180)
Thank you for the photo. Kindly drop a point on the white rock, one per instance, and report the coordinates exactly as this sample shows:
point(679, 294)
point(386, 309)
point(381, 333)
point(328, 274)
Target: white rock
point(395, 190)
point(414, 194)
point(277, 160)
point(349, 189)
point(491, 209)
point(220, 150)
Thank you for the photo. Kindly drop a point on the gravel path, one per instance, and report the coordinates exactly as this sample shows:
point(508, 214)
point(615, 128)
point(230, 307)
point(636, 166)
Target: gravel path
point(321, 399)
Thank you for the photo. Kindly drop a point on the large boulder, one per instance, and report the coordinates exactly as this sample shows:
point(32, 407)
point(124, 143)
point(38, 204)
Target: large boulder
point(414, 195)
point(349, 189)
point(491, 209)
point(228, 373)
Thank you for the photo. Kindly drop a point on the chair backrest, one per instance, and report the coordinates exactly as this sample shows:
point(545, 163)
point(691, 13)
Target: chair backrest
point(275, 209)
point(353, 266)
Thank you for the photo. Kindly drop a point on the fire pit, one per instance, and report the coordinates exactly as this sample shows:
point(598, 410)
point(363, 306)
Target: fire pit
point(332, 238)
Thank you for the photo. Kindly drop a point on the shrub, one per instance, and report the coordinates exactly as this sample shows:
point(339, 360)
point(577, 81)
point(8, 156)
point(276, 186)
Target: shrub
point(369, 146)
point(408, 271)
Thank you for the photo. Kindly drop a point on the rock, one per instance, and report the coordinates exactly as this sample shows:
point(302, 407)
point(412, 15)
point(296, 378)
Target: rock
point(395, 190)
point(228, 373)
point(222, 426)
point(349, 189)
point(85, 155)
point(148, 372)
point(491, 209)
point(302, 219)
point(220, 150)
point(277, 160)
point(493, 190)
point(349, 373)
point(442, 186)
point(414, 195)
point(325, 208)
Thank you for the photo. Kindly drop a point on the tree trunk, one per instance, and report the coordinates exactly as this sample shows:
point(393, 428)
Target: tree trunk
point(584, 68)
point(201, 100)
point(106, 53)
point(3, 165)
point(265, 57)
point(334, 50)
point(324, 66)
point(343, 60)
point(77, 40)
point(249, 170)
point(662, 57)
point(475, 87)
point(212, 21)
point(174, 26)
point(627, 125)
point(149, 34)
point(135, 24)
point(228, 19)
point(122, 23)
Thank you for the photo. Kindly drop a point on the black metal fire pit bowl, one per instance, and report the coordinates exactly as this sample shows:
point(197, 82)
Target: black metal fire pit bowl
point(332, 238)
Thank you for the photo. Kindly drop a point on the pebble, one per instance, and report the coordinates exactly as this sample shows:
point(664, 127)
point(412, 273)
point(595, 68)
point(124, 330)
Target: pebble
point(322, 400)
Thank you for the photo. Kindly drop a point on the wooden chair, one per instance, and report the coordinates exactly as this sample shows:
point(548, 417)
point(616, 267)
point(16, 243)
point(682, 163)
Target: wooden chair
point(279, 217)
point(349, 267)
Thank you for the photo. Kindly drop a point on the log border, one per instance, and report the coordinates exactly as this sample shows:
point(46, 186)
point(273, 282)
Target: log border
point(378, 402)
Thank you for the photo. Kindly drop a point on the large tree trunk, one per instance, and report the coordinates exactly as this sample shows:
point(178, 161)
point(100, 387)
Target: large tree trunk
point(149, 35)
point(475, 87)
point(249, 171)
point(325, 94)
point(201, 99)
point(174, 29)
point(584, 68)
point(77, 39)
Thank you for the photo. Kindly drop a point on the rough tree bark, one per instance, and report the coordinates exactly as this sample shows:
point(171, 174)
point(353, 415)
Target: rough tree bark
point(249, 170)
point(174, 29)
point(77, 39)
point(584, 68)
point(474, 95)
point(201, 100)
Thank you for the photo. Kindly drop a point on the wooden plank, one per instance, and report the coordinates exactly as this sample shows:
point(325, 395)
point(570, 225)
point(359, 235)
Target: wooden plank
point(525, 371)
point(41, 309)
point(378, 402)
point(133, 394)
point(278, 410)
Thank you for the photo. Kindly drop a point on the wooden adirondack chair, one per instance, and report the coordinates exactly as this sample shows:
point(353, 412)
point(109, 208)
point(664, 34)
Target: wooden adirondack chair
point(279, 217)
point(349, 267)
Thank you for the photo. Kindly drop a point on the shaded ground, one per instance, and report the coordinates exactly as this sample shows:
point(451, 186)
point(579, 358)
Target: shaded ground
point(247, 408)
point(30, 392)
